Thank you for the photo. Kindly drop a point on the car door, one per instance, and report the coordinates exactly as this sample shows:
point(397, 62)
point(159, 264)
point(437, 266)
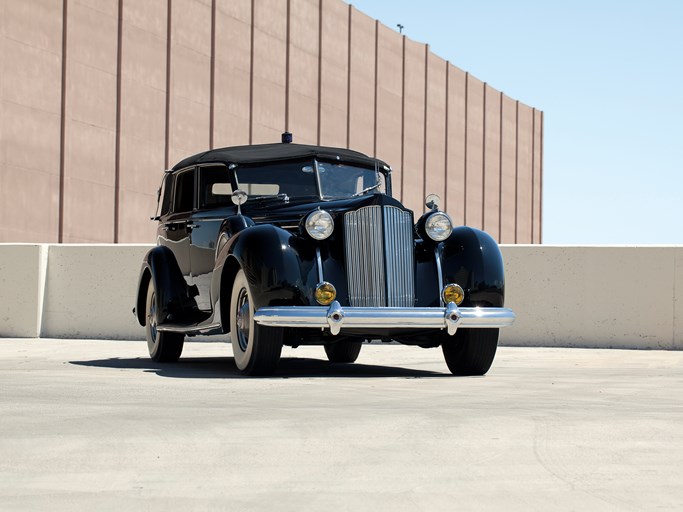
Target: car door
point(174, 232)
point(214, 205)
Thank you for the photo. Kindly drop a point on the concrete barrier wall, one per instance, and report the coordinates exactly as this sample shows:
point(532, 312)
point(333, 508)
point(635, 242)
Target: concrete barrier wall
point(90, 290)
point(609, 297)
point(22, 279)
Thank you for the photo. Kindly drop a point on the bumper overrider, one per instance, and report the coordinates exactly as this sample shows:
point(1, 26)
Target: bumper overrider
point(335, 317)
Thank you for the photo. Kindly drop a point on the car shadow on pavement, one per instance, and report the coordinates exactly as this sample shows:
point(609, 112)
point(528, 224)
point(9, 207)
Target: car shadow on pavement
point(289, 367)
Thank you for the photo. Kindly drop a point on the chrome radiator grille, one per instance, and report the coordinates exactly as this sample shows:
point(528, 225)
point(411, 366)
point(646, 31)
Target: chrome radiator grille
point(379, 257)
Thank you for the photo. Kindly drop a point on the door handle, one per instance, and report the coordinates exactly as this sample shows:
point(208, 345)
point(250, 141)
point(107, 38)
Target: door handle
point(191, 225)
point(174, 225)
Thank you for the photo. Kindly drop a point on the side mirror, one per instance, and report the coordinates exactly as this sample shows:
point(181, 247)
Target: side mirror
point(239, 197)
point(433, 202)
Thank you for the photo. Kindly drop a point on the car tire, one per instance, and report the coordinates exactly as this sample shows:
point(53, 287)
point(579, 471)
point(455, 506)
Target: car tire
point(164, 347)
point(256, 348)
point(470, 351)
point(343, 351)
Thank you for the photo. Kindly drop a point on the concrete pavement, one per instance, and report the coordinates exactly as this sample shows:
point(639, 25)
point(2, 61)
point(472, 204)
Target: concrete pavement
point(97, 425)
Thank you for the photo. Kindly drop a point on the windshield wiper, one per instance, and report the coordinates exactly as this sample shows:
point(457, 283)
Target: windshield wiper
point(366, 190)
point(267, 199)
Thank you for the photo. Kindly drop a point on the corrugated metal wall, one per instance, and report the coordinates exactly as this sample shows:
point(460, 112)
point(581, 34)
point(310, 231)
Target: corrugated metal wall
point(99, 96)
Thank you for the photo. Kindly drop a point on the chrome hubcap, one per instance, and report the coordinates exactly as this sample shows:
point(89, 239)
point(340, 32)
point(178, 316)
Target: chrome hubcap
point(243, 319)
point(152, 318)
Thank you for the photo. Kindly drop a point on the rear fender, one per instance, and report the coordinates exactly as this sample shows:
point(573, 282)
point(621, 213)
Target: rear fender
point(172, 293)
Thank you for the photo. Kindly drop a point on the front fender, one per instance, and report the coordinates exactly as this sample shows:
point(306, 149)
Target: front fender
point(170, 289)
point(470, 258)
point(279, 266)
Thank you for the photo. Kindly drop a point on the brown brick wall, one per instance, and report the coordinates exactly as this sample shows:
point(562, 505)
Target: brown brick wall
point(98, 97)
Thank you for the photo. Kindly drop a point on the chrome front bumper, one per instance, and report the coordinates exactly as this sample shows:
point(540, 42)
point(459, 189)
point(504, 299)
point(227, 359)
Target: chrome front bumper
point(335, 317)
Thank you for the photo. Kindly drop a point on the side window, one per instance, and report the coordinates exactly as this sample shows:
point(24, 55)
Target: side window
point(214, 187)
point(183, 200)
point(165, 193)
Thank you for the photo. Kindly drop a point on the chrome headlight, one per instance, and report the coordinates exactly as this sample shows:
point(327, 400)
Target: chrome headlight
point(319, 224)
point(438, 226)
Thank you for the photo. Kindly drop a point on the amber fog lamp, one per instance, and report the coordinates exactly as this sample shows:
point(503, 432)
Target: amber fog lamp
point(325, 293)
point(319, 225)
point(453, 293)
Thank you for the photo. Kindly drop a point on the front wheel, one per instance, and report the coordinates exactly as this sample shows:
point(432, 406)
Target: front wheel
point(470, 351)
point(164, 347)
point(256, 348)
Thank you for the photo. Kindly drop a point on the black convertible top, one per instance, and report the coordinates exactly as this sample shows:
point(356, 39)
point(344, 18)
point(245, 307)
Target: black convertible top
point(260, 153)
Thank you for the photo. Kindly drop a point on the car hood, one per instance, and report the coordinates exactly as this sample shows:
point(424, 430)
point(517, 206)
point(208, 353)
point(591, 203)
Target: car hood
point(290, 214)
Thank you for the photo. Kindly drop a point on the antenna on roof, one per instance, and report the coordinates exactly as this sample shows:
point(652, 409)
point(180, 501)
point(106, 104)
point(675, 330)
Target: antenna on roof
point(286, 138)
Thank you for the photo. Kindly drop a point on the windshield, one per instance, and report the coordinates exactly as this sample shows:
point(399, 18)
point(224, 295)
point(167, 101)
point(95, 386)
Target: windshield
point(279, 181)
point(339, 180)
point(292, 180)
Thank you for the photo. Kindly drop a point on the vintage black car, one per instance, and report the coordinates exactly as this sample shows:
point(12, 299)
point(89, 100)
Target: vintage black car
point(290, 244)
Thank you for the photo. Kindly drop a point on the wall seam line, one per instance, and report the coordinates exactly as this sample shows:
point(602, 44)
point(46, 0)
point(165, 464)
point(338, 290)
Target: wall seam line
point(426, 131)
point(540, 186)
point(533, 170)
point(483, 163)
point(251, 76)
point(212, 76)
point(445, 158)
point(374, 114)
point(500, 171)
point(403, 115)
point(287, 62)
point(348, 80)
point(464, 188)
point(169, 7)
point(516, 165)
point(320, 69)
point(62, 131)
point(117, 147)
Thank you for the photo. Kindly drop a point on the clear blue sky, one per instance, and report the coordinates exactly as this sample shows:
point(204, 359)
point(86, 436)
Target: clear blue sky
point(608, 76)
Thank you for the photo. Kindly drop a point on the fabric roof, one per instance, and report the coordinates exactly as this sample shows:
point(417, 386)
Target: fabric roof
point(259, 153)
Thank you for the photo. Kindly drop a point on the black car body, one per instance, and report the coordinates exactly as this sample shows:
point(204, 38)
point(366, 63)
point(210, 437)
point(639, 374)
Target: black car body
point(292, 244)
